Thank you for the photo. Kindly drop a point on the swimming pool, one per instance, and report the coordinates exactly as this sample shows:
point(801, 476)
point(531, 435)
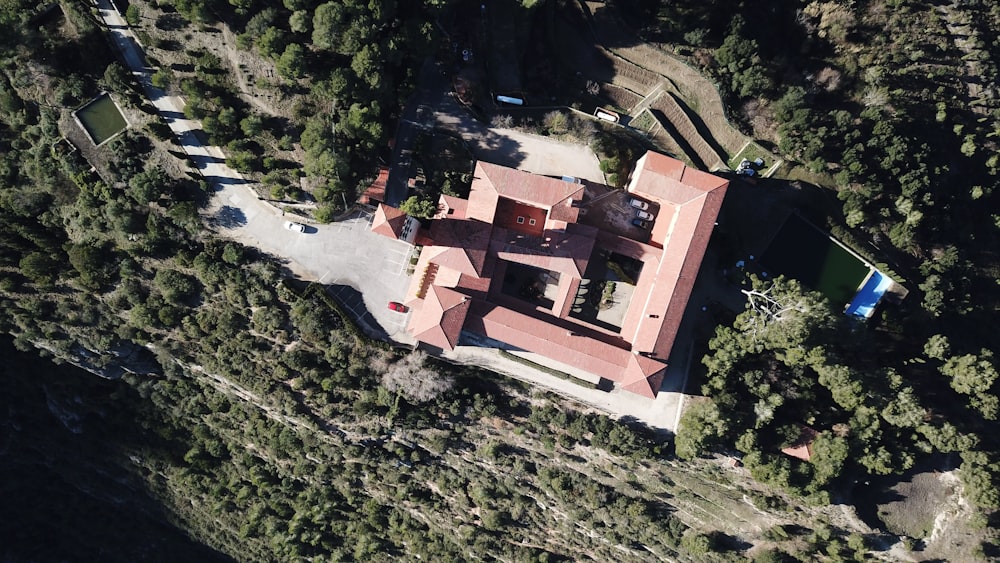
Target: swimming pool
point(871, 292)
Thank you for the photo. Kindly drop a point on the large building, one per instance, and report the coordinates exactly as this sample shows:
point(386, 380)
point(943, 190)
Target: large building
point(518, 265)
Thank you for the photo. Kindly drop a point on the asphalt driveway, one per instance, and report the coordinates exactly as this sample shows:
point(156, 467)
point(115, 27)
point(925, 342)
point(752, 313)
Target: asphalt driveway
point(365, 270)
point(524, 151)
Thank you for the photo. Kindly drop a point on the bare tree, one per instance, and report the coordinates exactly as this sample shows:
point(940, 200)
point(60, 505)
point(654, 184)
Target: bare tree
point(556, 122)
point(502, 121)
point(417, 382)
point(781, 314)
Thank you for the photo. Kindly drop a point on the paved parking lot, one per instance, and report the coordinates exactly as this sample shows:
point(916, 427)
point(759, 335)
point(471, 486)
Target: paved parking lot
point(365, 270)
point(508, 147)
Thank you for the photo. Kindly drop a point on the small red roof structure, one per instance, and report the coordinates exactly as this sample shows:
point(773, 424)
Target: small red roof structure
point(375, 193)
point(451, 207)
point(442, 316)
point(518, 224)
point(801, 448)
point(389, 221)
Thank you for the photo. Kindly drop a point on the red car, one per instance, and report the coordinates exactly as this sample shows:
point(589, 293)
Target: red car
point(398, 307)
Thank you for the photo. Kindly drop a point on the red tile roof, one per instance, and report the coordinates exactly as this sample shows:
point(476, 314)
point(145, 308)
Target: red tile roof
point(682, 229)
point(440, 317)
point(388, 221)
point(564, 252)
point(470, 255)
point(450, 207)
point(575, 349)
point(466, 242)
point(525, 187)
point(376, 191)
point(490, 182)
point(643, 375)
point(802, 447)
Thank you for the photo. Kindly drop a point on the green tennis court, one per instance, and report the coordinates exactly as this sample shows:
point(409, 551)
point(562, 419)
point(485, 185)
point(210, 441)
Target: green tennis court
point(803, 252)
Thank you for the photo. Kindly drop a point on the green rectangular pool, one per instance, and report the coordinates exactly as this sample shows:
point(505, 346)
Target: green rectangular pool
point(803, 252)
point(101, 119)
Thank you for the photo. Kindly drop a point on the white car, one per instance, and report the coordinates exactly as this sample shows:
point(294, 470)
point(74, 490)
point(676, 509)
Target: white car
point(644, 215)
point(638, 203)
point(293, 226)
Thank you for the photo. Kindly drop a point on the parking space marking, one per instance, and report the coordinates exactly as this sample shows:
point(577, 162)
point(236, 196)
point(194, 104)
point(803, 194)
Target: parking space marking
point(398, 259)
point(398, 323)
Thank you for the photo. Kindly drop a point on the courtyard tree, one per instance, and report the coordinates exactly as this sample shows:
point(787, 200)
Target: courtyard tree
point(416, 206)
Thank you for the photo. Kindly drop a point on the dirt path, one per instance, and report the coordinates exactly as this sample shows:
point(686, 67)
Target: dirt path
point(962, 34)
point(242, 65)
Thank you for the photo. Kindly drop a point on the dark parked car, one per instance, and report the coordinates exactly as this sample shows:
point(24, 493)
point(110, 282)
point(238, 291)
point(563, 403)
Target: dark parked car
point(640, 223)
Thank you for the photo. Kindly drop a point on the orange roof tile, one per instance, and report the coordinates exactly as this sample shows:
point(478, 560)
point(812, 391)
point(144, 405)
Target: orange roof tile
point(450, 207)
point(683, 229)
point(466, 242)
point(438, 320)
point(526, 187)
point(636, 373)
point(470, 254)
point(643, 375)
point(802, 447)
point(388, 221)
point(564, 252)
point(376, 191)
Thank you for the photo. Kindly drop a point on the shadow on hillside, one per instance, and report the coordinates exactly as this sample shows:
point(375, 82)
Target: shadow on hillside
point(354, 305)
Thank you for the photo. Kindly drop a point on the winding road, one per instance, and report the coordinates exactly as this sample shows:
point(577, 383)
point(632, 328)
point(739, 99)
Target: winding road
point(344, 255)
point(210, 160)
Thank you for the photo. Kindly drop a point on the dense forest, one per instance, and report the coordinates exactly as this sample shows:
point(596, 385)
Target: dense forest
point(248, 418)
point(892, 105)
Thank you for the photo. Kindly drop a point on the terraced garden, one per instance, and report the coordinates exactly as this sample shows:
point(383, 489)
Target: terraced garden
point(679, 108)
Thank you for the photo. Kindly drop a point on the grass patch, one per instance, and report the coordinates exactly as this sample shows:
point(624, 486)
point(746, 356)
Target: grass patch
point(800, 173)
point(643, 122)
point(548, 370)
point(752, 152)
point(805, 253)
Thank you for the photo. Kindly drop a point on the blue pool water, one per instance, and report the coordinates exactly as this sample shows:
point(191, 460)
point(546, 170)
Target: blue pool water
point(863, 304)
